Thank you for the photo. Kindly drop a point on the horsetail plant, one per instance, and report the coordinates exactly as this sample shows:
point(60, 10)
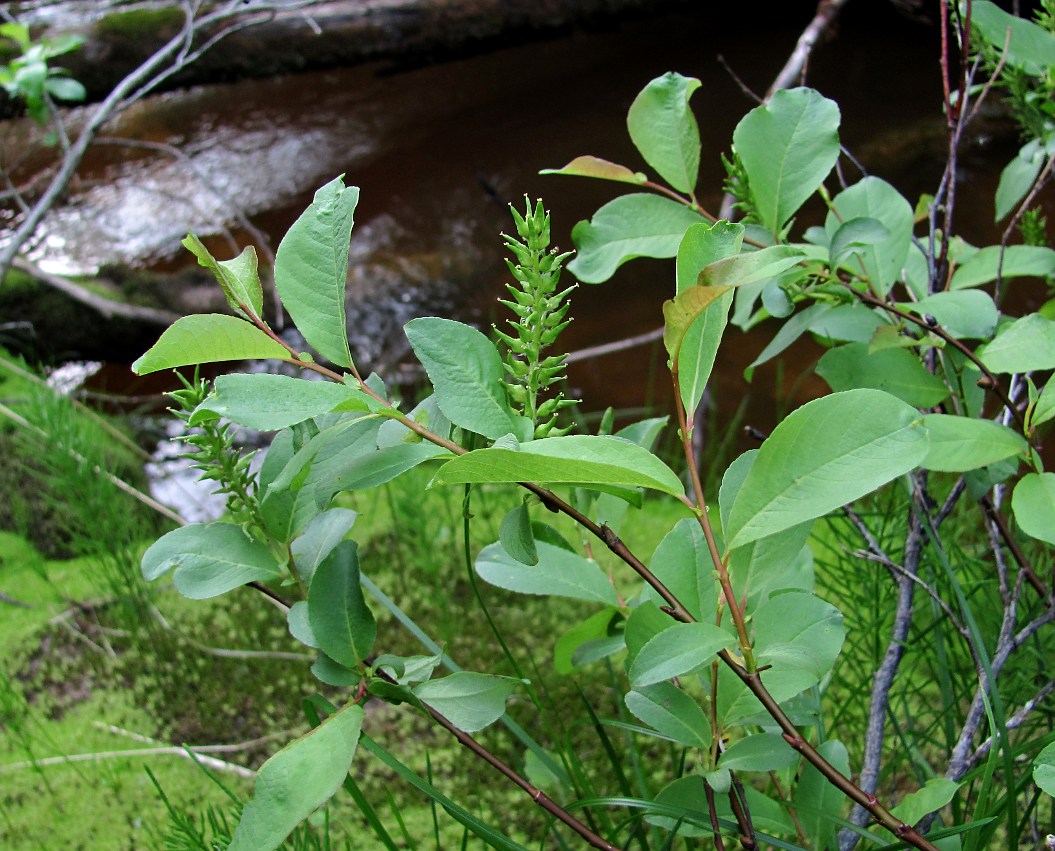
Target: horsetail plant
point(540, 312)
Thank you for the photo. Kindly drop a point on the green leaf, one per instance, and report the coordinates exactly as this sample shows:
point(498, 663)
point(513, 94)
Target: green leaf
point(320, 536)
point(882, 254)
point(270, 402)
point(238, 278)
point(311, 270)
point(663, 129)
point(466, 371)
point(679, 649)
point(853, 237)
point(895, 371)
point(787, 147)
point(1044, 409)
point(779, 562)
point(208, 338)
point(682, 562)
point(682, 807)
point(680, 312)
point(1033, 502)
point(699, 346)
point(670, 711)
point(966, 314)
point(600, 635)
point(589, 166)
point(516, 536)
point(65, 88)
point(800, 636)
point(600, 460)
point(853, 323)
point(469, 700)
point(340, 619)
point(930, 797)
point(825, 454)
point(1018, 177)
point(558, 573)
point(1029, 47)
point(818, 802)
point(637, 225)
point(752, 266)
point(299, 624)
point(298, 780)
point(983, 266)
point(209, 559)
point(790, 331)
point(759, 752)
point(958, 444)
point(702, 245)
point(1027, 344)
point(326, 670)
point(1044, 769)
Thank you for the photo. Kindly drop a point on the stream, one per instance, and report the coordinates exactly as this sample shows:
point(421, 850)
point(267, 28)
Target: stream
point(439, 150)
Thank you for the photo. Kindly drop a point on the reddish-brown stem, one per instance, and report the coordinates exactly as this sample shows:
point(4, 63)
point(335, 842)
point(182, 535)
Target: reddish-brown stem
point(719, 845)
point(835, 777)
point(537, 795)
point(738, 803)
point(721, 565)
point(676, 609)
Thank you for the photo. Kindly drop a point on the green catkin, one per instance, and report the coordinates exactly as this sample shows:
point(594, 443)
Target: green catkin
point(539, 311)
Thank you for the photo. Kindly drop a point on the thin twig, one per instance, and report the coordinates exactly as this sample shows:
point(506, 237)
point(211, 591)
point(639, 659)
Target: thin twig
point(1016, 720)
point(794, 70)
point(883, 679)
point(617, 346)
point(106, 306)
point(99, 756)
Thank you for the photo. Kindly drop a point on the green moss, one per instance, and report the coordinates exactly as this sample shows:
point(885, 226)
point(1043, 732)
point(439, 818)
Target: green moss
point(137, 23)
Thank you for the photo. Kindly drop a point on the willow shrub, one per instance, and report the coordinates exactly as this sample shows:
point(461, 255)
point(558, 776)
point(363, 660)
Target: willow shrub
point(724, 649)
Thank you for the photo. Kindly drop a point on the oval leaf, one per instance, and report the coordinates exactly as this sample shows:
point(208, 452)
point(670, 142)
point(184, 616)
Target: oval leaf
point(637, 225)
point(883, 255)
point(702, 245)
point(787, 146)
point(679, 649)
point(516, 536)
point(664, 130)
point(1034, 505)
point(825, 454)
point(469, 700)
point(208, 338)
point(966, 314)
point(1044, 769)
point(597, 459)
point(1011, 262)
point(320, 536)
point(670, 711)
point(341, 622)
point(209, 559)
point(959, 444)
point(271, 402)
point(588, 166)
point(311, 270)
point(760, 752)
point(895, 371)
point(466, 371)
point(298, 780)
point(1027, 344)
point(558, 573)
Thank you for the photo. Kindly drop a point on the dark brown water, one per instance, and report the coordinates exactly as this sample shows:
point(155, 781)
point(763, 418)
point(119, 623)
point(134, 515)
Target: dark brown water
point(438, 151)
